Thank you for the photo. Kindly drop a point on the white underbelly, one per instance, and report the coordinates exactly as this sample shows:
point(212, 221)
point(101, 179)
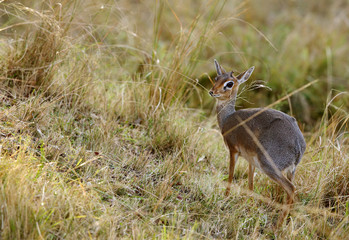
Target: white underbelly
point(250, 157)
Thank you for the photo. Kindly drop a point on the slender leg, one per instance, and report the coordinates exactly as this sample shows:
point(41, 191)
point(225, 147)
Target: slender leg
point(285, 211)
point(233, 158)
point(289, 202)
point(250, 176)
point(290, 175)
point(286, 184)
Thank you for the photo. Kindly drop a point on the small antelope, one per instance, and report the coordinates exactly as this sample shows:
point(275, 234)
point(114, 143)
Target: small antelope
point(268, 139)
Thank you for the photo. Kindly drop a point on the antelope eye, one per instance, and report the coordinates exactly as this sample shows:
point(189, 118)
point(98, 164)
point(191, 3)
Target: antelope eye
point(229, 85)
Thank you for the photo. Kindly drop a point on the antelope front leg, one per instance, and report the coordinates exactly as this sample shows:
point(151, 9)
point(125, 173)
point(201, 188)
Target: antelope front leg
point(233, 158)
point(250, 176)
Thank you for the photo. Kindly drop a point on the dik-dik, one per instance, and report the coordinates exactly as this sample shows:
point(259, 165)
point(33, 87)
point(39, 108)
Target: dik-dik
point(268, 139)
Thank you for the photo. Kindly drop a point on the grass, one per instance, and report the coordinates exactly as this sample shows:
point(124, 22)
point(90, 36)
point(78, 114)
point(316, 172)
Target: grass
point(107, 130)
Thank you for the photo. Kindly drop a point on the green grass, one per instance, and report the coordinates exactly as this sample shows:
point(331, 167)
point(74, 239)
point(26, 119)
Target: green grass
point(107, 130)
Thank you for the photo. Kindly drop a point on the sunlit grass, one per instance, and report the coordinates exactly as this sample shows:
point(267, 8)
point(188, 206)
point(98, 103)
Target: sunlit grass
point(107, 130)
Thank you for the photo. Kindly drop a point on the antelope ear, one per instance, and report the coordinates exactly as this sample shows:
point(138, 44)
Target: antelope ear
point(219, 69)
point(244, 76)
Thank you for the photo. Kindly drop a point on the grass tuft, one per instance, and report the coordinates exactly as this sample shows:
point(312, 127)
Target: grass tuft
point(107, 130)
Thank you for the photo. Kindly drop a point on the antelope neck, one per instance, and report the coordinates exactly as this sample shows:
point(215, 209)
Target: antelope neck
point(225, 109)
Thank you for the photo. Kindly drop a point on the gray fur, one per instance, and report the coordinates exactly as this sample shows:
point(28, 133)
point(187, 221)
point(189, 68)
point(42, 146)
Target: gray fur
point(277, 132)
point(270, 141)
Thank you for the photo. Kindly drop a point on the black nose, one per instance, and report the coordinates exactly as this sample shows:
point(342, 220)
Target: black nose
point(211, 93)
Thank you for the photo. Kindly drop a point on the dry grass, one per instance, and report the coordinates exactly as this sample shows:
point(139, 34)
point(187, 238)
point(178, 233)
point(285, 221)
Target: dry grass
point(107, 130)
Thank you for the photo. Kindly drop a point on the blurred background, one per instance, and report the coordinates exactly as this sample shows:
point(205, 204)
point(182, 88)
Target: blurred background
point(291, 43)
